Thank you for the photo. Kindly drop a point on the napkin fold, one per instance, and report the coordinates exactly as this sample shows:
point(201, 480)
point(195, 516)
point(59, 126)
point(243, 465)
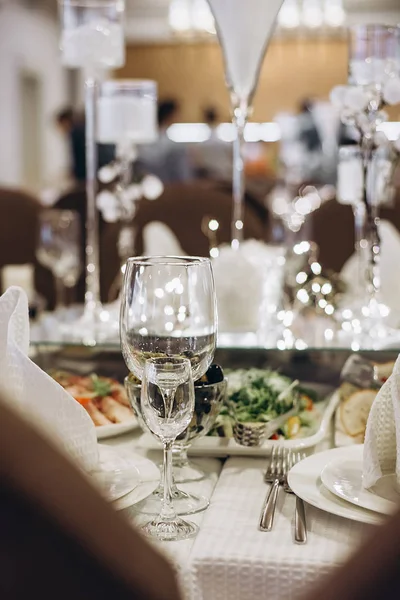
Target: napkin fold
point(382, 437)
point(39, 398)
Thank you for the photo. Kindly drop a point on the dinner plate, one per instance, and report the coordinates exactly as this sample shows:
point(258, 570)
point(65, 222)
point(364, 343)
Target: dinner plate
point(343, 477)
point(220, 447)
point(123, 477)
point(305, 481)
point(108, 431)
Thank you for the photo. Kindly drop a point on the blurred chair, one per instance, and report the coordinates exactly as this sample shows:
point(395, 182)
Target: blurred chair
point(333, 231)
point(184, 208)
point(59, 538)
point(19, 217)
point(178, 219)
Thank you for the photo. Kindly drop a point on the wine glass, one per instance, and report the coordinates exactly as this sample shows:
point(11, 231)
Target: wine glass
point(167, 401)
point(59, 248)
point(244, 30)
point(168, 308)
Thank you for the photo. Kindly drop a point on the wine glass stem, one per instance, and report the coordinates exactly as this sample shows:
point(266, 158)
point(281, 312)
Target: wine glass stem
point(60, 293)
point(92, 294)
point(167, 509)
point(238, 182)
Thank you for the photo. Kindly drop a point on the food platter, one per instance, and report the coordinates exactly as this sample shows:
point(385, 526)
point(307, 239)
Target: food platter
point(104, 399)
point(222, 447)
point(104, 432)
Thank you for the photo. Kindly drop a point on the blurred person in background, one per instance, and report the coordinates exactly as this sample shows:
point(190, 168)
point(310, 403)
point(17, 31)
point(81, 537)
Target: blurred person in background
point(309, 140)
point(72, 126)
point(166, 159)
point(212, 159)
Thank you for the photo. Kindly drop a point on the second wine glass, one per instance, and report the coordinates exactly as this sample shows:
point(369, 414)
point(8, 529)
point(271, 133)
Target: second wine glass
point(167, 401)
point(59, 239)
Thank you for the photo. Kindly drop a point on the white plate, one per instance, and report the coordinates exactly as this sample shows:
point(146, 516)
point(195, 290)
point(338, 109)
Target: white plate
point(124, 477)
point(305, 481)
point(108, 431)
point(221, 447)
point(343, 477)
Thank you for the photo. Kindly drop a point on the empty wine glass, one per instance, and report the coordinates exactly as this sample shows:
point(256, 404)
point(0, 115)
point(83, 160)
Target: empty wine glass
point(168, 308)
point(167, 400)
point(58, 249)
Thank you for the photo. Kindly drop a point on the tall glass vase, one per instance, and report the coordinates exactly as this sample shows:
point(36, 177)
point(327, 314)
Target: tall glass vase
point(92, 40)
point(373, 56)
point(244, 30)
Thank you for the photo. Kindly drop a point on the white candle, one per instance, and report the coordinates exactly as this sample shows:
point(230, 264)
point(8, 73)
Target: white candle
point(96, 45)
point(121, 117)
point(350, 180)
point(21, 276)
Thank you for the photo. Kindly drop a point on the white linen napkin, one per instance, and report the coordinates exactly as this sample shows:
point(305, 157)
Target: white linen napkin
point(382, 437)
point(36, 395)
point(390, 285)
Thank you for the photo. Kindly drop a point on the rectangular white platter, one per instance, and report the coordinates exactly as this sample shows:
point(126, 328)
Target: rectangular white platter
point(221, 447)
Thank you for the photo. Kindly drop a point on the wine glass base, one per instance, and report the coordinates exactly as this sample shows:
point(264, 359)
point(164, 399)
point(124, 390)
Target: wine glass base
point(169, 530)
point(184, 503)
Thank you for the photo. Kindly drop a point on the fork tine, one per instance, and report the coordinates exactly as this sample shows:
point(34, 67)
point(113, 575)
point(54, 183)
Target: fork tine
point(273, 461)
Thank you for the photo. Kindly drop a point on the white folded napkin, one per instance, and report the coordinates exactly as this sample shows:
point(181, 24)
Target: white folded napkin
point(382, 437)
point(390, 285)
point(36, 395)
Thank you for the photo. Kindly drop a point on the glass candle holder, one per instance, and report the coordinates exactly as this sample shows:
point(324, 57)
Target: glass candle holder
point(126, 117)
point(373, 54)
point(244, 30)
point(127, 112)
point(92, 39)
point(92, 34)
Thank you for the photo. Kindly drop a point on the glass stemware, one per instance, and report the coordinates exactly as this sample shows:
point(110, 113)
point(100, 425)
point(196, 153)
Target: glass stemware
point(167, 401)
point(168, 308)
point(92, 40)
point(127, 117)
point(373, 60)
point(244, 30)
point(58, 249)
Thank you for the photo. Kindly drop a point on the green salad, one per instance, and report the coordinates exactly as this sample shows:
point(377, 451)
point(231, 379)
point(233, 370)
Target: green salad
point(259, 396)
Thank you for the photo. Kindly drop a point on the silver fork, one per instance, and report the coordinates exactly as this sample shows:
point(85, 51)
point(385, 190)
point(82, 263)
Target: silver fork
point(275, 474)
point(300, 526)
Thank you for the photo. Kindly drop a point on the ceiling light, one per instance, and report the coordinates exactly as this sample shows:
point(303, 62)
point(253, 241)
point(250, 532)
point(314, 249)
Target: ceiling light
point(312, 14)
point(334, 13)
point(289, 15)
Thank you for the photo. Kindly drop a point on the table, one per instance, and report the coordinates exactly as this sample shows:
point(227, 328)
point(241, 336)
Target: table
point(230, 559)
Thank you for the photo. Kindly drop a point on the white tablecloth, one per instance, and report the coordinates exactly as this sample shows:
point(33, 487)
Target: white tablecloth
point(231, 560)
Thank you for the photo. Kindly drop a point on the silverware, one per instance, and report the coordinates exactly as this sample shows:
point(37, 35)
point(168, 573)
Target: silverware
point(275, 474)
point(300, 526)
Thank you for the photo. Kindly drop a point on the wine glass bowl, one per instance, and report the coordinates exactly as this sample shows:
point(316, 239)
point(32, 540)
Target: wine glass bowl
point(209, 399)
point(168, 308)
point(58, 247)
